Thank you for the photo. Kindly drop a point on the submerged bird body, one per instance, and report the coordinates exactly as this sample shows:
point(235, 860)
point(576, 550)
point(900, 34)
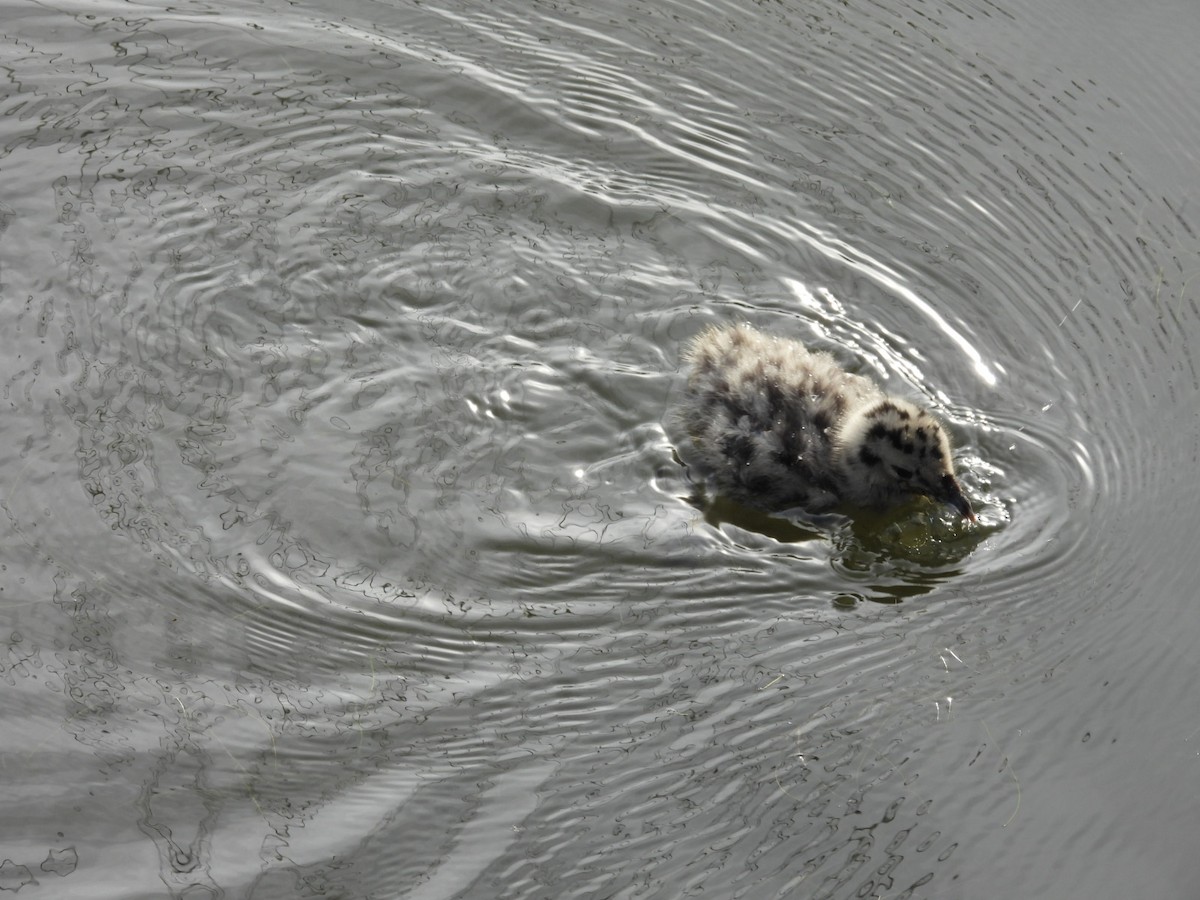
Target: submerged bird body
point(778, 426)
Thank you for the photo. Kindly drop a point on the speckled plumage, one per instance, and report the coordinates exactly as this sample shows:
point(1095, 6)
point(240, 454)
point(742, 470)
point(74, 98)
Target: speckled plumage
point(778, 426)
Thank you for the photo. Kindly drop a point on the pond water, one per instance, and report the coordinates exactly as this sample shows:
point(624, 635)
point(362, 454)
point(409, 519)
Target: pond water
point(346, 548)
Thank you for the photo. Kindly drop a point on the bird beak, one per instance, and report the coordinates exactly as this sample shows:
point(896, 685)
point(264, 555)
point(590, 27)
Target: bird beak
point(954, 496)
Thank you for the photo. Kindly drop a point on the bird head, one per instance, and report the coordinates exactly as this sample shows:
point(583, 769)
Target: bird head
point(892, 448)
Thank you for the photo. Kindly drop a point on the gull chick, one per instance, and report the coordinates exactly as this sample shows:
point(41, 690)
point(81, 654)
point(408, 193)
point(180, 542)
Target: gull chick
point(778, 426)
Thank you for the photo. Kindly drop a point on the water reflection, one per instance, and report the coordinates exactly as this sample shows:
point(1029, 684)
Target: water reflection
point(885, 557)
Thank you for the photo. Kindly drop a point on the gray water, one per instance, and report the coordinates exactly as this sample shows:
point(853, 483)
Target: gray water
point(346, 549)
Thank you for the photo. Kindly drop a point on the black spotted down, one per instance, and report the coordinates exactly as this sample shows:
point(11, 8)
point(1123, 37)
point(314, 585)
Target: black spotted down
point(778, 426)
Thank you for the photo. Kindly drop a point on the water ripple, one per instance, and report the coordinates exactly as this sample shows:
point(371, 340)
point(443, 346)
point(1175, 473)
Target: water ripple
point(342, 358)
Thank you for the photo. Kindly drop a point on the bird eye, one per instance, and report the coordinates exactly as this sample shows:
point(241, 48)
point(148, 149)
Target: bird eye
point(904, 474)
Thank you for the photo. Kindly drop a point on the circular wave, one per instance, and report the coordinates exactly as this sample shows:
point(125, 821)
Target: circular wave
point(362, 336)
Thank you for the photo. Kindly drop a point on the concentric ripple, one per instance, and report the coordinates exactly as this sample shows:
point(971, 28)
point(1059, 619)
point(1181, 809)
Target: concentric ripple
point(343, 483)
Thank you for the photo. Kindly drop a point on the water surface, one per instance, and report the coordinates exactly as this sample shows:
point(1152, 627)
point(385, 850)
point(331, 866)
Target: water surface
point(346, 549)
